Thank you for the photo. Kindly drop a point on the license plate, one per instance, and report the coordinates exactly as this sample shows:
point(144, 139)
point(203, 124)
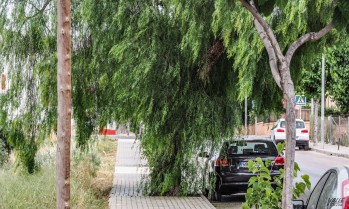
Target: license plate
point(243, 165)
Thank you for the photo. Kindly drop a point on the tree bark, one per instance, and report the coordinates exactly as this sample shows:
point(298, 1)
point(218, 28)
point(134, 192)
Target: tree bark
point(271, 54)
point(289, 94)
point(316, 120)
point(64, 104)
point(312, 36)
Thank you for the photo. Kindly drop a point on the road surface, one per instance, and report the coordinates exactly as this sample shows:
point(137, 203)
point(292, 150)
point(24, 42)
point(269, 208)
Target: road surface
point(310, 162)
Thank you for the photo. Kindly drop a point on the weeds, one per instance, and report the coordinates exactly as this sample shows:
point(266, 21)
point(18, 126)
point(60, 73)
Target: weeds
point(91, 180)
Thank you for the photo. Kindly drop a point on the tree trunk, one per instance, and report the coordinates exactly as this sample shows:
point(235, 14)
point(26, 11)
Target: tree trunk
point(64, 104)
point(288, 89)
point(316, 120)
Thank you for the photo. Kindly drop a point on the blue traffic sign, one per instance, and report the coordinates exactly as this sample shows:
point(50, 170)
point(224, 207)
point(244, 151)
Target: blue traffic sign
point(301, 100)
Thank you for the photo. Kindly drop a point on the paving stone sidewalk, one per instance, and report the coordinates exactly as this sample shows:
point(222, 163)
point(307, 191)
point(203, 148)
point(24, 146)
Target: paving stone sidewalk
point(330, 149)
point(126, 192)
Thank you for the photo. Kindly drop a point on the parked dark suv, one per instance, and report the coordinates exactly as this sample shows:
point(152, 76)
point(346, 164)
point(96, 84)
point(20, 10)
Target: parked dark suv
point(228, 167)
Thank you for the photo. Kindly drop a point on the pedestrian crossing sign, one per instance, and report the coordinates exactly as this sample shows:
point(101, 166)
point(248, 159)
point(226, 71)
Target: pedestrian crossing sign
point(301, 100)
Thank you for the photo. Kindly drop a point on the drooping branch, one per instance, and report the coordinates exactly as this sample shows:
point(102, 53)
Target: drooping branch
point(271, 53)
point(38, 11)
point(312, 36)
point(210, 59)
point(270, 34)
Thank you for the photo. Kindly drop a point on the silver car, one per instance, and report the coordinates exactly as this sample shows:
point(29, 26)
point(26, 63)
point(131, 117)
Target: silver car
point(331, 191)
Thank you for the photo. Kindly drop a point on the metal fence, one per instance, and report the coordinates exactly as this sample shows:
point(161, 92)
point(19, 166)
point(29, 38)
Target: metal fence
point(336, 130)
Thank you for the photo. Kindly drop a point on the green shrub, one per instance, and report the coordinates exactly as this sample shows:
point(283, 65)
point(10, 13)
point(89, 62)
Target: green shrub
point(333, 112)
point(261, 194)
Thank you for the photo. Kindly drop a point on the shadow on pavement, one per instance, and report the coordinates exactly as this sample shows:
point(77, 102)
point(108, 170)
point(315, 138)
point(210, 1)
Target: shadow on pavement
point(230, 201)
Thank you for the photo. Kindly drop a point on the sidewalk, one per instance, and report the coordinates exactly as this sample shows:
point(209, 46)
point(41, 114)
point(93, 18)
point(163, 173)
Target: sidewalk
point(330, 149)
point(126, 192)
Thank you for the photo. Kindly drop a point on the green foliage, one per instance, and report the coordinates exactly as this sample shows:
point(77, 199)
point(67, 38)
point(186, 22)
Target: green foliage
point(336, 76)
point(338, 61)
point(181, 67)
point(310, 85)
point(333, 112)
point(25, 150)
point(262, 193)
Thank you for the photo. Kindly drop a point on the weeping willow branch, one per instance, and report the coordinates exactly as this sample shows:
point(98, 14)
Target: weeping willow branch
point(38, 12)
point(210, 59)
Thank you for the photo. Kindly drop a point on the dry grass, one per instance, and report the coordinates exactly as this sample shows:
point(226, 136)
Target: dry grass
point(103, 181)
point(91, 181)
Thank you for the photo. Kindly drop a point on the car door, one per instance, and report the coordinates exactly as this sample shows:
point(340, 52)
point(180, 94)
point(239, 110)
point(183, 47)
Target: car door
point(324, 191)
point(315, 194)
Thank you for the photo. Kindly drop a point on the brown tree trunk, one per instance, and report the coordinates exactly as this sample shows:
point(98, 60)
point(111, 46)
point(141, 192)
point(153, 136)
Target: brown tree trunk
point(316, 120)
point(288, 89)
point(64, 104)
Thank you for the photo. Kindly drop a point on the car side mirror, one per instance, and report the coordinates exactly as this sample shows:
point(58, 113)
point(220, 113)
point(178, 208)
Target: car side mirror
point(203, 154)
point(298, 204)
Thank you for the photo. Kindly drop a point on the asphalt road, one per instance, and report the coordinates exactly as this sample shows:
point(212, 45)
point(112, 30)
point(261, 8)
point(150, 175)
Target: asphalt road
point(310, 162)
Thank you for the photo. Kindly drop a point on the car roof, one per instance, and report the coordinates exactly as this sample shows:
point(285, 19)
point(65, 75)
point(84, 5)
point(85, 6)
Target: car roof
point(253, 138)
point(283, 119)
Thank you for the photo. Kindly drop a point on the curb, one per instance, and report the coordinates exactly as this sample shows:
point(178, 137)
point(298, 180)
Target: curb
point(330, 153)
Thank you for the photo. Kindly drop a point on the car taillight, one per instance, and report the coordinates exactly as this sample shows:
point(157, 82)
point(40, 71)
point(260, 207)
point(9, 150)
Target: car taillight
point(279, 160)
point(345, 194)
point(221, 162)
point(304, 131)
point(280, 130)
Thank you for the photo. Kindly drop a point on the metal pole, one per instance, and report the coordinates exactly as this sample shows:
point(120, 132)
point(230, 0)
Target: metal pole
point(348, 129)
point(300, 112)
point(245, 115)
point(323, 102)
point(312, 107)
point(255, 125)
point(340, 129)
point(330, 124)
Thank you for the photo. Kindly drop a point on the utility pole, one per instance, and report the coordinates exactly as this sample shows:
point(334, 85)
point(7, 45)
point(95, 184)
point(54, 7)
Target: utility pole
point(246, 116)
point(64, 104)
point(323, 102)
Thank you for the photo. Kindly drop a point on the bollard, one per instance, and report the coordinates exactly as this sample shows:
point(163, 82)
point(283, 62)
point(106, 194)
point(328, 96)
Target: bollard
point(339, 141)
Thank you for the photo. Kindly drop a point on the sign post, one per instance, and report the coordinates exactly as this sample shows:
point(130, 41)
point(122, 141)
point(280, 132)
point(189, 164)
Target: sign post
point(300, 101)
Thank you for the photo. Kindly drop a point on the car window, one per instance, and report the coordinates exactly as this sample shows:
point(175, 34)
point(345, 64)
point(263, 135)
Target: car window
point(314, 196)
point(329, 191)
point(283, 124)
point(250, 148)
point(300, 124)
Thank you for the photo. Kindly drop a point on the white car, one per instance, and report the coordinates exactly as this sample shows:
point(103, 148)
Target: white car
point(278, 133)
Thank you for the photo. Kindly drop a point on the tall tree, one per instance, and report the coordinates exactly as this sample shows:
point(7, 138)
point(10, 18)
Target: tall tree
point(178, 73)
point(280, 64)
point(64, 104)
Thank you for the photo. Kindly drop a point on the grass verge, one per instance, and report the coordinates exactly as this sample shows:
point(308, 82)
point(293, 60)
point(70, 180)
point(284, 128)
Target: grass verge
point(91, 181)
